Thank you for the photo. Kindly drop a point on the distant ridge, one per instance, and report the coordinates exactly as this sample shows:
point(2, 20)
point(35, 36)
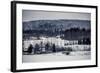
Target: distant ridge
point(61, 23)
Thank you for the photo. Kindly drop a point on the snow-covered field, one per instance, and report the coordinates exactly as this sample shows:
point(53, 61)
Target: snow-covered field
point(80, 55)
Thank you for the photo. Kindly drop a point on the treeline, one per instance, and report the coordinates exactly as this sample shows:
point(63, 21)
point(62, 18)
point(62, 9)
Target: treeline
point(40, 49)
point(77, 34)
point(68, 34)
point(47, 48)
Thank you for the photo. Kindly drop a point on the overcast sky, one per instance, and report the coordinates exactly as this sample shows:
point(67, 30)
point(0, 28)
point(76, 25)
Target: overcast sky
point(31, 15)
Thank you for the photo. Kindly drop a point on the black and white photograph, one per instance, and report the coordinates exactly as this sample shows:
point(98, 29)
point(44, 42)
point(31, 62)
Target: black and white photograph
point(55, 36)
point(48, 36)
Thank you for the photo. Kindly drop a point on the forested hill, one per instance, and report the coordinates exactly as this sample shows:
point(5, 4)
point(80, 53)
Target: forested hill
point(58, 24)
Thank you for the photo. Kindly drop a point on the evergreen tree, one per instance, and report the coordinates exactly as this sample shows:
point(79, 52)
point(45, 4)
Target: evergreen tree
point(47, 47)
point(54, 48)
point(36, 48)
point(30, 48)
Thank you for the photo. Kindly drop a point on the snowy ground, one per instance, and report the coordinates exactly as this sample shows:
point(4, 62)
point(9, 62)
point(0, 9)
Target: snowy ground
point(57, 57)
